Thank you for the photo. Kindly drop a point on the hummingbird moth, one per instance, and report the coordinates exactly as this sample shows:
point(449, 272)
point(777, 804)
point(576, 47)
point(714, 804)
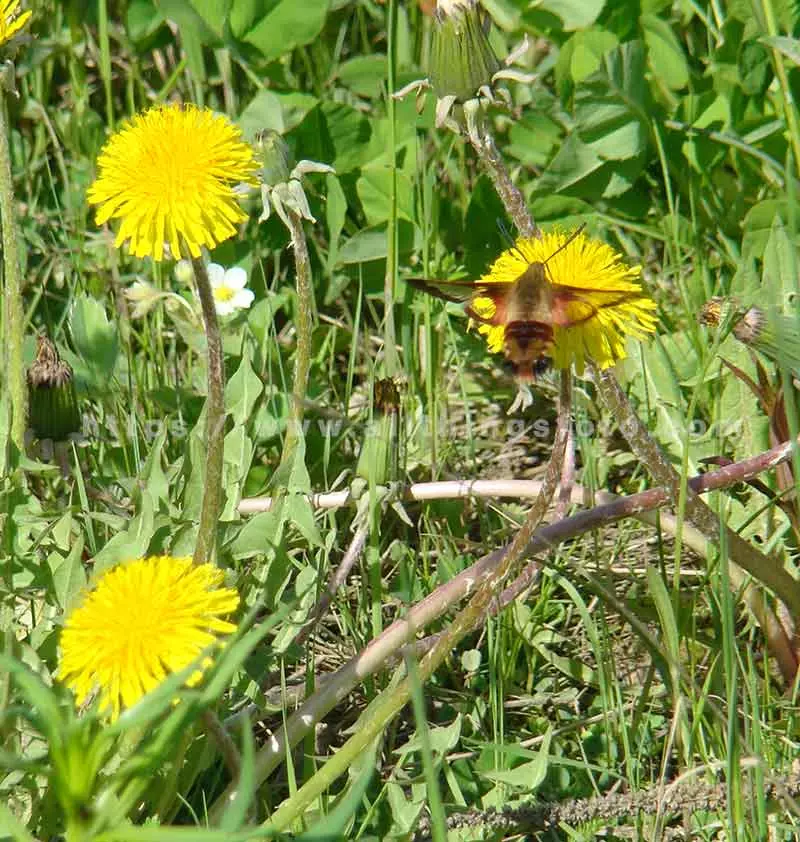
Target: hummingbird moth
point(531, 308)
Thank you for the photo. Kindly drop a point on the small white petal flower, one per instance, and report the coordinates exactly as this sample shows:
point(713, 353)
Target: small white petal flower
point(229, 288)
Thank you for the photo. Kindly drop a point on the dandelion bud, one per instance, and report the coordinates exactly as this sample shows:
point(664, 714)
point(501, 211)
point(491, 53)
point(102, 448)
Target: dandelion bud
point(770, 333)
point(462, 60)
point(276, 157)
point(281, 179)
point(51, 394)
point(379, 449)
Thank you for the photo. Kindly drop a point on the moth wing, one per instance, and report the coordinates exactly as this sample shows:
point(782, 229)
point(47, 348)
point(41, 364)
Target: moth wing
point(465, 292)
point(576, 305)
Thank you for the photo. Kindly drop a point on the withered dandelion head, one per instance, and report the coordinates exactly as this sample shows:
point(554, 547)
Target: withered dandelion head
point(142, 621)
point(11, 19)
point(169, 176)
point(586, 294)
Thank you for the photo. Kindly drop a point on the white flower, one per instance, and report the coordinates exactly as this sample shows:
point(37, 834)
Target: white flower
point(229, 288)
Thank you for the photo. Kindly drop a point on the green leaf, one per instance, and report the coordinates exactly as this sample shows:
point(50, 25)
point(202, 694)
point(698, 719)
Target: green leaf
point(575, 14)
point(573, 163)
point(779, 278)
point(364, 75)
point(195, 31)
point(279, 111)
point(131, 544)
point(243, 390)
point(371, 243)
point(288, 24)
point(350, 133)
point(237, 808)
point(334, 824)
point(528, 776)
point(755, 68)
point(95, 339)
point(669, 623)
point(582, 55)
point(612, 105)
point(259, 533)
point(374, 189)
point(758, 226)
point(69, 576)
point(335, 215)
point(789, 47)
point(665, 53)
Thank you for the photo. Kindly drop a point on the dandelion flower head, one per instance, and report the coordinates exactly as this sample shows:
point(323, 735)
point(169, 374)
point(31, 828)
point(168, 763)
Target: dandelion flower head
point(11, 19)
point(142, 621)
point(229, 287)
point(609, 304)
point(169, 176)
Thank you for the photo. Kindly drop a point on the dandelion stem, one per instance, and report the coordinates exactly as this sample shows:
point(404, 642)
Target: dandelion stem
point(685, 499)
point(215, 420)
point(222, 739)
point(303, 328)
point(14, 315)
point(510, 195)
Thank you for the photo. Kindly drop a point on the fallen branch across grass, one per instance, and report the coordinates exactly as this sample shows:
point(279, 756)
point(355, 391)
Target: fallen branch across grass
point(379, 652)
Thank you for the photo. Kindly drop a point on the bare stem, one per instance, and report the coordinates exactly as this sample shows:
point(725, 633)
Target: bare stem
point(222, 739)
point(510, 195)
point(303, 328)
point(215, 420)
point(14, 315)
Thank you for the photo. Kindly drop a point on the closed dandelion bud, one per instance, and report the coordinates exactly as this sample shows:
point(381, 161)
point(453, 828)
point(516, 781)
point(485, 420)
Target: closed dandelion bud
point(378, 455)
point(462, 60)
point(51, 394)
point(276, 157)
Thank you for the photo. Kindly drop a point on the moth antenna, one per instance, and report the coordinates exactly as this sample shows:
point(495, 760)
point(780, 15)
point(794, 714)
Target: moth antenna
point(505, 233)
point(566, 242)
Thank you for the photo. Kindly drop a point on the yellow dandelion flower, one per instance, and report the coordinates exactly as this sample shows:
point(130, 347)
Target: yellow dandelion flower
point(142, 621)
point(11, 20)
point(169, 176)
point(567, 296)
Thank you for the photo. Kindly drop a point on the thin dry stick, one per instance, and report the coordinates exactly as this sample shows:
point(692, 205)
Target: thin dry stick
point(337, 579)
point(724, 477)
point(215, 420)
point(390, 702)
